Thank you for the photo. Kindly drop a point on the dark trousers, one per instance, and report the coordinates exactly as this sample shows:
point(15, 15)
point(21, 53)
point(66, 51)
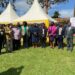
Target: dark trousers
point(30, 41)
point(70, 44)
point(1, 42)
point(16, 44)
point(25, 41)
point(60, 41)
point(4, 41)
point(9, 45)
point(43, 42)
point(56, 41)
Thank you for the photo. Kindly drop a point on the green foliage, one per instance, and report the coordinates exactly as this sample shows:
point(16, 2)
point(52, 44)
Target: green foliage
point(64, 22)
point(1, 1)
point(58, 1)
point(56, 14)
point(0, 12)
point(49, 1)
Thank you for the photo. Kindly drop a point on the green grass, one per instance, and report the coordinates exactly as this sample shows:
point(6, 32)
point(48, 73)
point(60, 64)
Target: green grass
point(38, 61)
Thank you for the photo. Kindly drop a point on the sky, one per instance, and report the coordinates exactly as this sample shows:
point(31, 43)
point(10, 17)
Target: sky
point(65, 9)
point(22, 7)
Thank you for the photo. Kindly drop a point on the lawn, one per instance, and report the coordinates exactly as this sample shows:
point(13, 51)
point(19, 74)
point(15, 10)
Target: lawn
point(38, 61)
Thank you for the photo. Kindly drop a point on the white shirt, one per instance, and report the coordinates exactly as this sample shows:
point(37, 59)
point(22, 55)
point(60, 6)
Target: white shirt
point(43, 31)
point(23, 32)
point(60, 31)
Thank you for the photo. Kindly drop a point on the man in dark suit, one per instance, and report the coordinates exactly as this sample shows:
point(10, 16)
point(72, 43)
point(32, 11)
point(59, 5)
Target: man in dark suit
point(43, 35)
point(60, 35)
point(69, 36)
point(1, 37)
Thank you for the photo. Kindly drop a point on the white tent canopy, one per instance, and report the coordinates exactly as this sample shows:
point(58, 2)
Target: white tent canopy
point(35, 13)
point(9, 15)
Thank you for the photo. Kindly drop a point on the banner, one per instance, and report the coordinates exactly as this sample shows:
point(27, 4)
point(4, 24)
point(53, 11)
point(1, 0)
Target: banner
point(72, 20)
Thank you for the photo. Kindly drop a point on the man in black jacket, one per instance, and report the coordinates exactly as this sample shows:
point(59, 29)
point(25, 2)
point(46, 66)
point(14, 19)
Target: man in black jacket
point(1, 37)
point(60, 34)
point(43, 35)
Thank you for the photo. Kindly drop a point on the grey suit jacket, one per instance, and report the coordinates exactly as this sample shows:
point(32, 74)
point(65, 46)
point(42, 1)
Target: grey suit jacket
point(69, 33)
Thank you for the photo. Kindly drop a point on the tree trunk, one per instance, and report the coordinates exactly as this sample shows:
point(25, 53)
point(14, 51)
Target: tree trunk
point(74, 9)
point(46, 6)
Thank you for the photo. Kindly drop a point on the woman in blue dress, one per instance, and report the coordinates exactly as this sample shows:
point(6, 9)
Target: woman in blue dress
point(35, 35)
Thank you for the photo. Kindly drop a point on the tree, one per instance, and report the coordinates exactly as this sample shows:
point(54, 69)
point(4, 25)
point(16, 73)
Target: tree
point(4, 4)
point(47, 3)
point(56, 14)
point(1, 1)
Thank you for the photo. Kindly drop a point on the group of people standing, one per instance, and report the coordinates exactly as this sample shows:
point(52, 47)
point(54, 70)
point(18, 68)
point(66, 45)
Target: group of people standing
point(14, 37)
point(58, 32)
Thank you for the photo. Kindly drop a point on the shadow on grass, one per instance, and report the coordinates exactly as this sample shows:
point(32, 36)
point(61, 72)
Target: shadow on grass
point(6, 52)
point(13, 71)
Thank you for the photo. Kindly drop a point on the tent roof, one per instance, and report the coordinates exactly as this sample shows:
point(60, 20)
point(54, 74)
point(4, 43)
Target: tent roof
point(9, 15)
point(35, 13)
